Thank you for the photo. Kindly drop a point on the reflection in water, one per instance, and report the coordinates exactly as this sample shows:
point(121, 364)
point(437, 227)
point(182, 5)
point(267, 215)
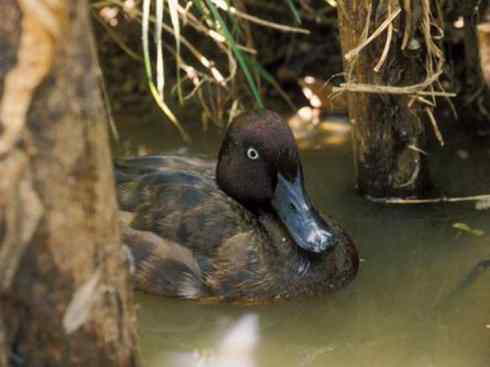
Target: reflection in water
point(314, 132)
point(235, 349)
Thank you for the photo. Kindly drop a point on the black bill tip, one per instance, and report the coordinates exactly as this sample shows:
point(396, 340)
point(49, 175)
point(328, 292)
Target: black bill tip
point(318, 240)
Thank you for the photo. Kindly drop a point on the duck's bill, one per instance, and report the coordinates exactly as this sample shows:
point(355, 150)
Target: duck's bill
point(305, 225)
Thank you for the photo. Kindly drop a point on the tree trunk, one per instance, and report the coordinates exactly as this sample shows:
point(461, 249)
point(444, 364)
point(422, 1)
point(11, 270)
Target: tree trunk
point(389, 134)
point(65, 297)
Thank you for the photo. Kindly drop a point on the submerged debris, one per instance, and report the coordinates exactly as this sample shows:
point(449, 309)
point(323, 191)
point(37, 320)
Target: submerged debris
point(467, 229)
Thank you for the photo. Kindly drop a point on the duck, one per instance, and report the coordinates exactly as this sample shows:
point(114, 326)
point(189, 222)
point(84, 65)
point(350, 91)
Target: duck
point(239, 229)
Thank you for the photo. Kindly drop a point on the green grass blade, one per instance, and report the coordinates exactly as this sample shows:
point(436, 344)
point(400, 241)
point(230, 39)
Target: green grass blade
point(264, 74)
point(145, 22)
point(158, 42)
point(145, 25)
point(174, 18)
point(292, 6)
point(236, 30)
point(164, 107)
point(236, 51)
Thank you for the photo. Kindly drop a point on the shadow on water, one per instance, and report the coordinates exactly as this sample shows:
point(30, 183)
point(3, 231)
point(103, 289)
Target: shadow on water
point(415, 301)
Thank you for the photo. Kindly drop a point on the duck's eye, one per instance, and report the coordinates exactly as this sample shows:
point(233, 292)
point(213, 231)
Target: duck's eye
point(252, 154)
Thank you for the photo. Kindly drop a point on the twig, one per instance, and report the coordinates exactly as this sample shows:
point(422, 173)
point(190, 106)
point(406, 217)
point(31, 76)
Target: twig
point(355, 51)
point(220, 39)
point(442, 199)
point(386, 49)
point(426, 101)
point(116, 38)
point(417, 149)
point(385, 89)
point(232, 10)
point(407, 34)
point(433, 121)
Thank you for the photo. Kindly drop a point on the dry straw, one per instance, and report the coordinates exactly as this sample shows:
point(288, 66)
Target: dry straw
point(430, 26)
point(431, 87)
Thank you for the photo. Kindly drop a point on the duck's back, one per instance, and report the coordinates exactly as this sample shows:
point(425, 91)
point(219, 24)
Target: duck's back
point(181, 228)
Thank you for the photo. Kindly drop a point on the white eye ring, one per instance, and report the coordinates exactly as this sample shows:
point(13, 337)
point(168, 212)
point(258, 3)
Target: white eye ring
point(252, 154)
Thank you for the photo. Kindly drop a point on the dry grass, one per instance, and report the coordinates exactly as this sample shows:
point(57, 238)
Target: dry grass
point(425, 92)
point(197, 71)
point(442, 199)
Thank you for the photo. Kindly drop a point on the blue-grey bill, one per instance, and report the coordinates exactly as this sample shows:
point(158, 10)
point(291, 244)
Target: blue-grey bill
point(308, 229)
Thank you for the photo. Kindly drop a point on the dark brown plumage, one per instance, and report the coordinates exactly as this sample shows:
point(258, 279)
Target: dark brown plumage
point(249, 234)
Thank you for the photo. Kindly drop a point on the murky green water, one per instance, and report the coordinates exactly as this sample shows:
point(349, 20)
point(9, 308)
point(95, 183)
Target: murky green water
point(406, 307)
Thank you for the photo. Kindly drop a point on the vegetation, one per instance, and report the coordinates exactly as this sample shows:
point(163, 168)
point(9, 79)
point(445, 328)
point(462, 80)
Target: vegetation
point(401, 61)
point(226, 30)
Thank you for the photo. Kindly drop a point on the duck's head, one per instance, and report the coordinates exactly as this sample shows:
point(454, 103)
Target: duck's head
point(259, 166)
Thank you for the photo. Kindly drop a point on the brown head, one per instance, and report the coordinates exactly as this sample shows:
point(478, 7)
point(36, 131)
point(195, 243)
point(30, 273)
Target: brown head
point(259, 166)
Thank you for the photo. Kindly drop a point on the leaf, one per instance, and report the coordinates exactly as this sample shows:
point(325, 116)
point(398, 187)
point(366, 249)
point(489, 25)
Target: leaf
point(174, 17)
point(149, 74)
point(295, 12)
point(159, 46)
point(463, 227)
point(236, 51)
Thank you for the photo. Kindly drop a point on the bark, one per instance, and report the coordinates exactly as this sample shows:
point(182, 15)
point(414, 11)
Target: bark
point(388, 130)
point(65, 297)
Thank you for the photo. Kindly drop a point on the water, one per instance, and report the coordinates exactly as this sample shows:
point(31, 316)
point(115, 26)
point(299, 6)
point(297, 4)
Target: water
point(407, 306)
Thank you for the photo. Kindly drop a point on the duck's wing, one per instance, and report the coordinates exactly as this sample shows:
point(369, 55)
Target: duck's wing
point(162, 267)
point(152, 163)
point(180, 222)
point(184, 207)
point(137, 177)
